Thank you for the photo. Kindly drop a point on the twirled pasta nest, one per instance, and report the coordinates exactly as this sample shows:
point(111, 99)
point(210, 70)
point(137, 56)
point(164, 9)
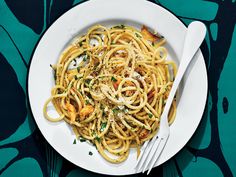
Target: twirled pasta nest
point(111, 86)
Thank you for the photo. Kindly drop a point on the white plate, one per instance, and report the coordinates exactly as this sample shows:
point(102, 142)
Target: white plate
point(110, 12)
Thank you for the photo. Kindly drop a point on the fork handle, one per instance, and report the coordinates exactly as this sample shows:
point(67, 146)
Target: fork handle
point(196, 32)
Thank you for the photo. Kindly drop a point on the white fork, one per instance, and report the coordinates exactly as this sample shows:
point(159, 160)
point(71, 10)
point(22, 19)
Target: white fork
point(152, 150)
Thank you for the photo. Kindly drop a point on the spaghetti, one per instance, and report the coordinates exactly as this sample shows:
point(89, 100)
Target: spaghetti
point(111, 86)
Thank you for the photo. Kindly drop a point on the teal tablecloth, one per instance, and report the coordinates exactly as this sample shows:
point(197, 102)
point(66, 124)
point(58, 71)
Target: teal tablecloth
point(24, 152)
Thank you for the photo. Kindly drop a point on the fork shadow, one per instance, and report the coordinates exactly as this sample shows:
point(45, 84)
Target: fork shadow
point(171, 168)
point(185, 157)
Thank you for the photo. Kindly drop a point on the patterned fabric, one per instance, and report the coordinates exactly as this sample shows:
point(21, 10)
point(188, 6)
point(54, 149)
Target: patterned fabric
point(211, 152)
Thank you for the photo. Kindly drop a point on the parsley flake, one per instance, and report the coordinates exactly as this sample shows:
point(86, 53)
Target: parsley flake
point(87, 81)
point(93, 133)
point(103, 126)
point(82, 139)
point(138, 35)
point(54, 73)
point(113, 79)
point(90, 153)
point(103, 113)
point(89, 96)
point(78, 69)
point(85, 57)
point(80, 43)
point(98, 139)
point(150, 115)
point(74, 142)
point(115, 110)
point(119, 27)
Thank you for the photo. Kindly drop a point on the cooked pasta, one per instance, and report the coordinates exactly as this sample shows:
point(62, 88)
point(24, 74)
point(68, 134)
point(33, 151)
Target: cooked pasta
point(111, 85)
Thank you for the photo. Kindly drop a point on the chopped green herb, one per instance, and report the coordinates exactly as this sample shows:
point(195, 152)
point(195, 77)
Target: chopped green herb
point(74, 142)
point(89, 96)
point(119, 27)
point(80, 43)
point(87, 81)
point(112, 43)
point(115, 110)
point(150, 115)
point(98, 139)
point(138, 35)
point(78, 69)
point(87, 102)
point(76, 77)
point(103, 113)
point(54, 73)
point(90, 153)
point(93, 133)
point(85, 57)
point(101, 106)
point(113, 79)
point(82, 139)
point(103, 126)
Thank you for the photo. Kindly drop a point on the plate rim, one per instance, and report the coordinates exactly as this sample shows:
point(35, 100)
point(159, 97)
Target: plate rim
point(28, 75)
